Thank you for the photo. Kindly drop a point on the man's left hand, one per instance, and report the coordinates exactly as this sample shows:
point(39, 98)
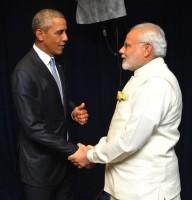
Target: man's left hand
point(80, 114)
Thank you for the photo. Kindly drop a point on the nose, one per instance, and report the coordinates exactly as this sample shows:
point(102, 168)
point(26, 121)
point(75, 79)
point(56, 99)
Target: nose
point(65, 37)
point(121, 50)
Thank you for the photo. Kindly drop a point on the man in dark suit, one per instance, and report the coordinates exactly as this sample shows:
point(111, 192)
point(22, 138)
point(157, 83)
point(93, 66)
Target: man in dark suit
point(42, 104)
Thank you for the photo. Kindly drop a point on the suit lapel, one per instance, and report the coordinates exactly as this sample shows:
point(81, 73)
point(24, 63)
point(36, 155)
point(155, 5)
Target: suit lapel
point(43, 70)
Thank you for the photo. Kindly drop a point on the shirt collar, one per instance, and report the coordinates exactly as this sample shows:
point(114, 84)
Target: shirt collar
point(43, 56)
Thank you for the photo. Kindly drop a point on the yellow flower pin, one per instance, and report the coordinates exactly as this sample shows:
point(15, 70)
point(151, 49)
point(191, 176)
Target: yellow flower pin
point(121, 96)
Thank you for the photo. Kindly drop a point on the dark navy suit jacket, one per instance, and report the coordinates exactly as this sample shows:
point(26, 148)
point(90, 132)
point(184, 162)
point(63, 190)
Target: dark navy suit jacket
point(43, 145)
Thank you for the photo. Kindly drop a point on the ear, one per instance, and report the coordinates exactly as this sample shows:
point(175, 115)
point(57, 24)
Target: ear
point(39, 34)
point(148, 50)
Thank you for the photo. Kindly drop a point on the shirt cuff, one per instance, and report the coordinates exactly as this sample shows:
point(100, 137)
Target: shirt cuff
point(90, 155)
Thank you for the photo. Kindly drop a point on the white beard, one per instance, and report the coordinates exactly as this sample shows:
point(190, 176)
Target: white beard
point(126, 66)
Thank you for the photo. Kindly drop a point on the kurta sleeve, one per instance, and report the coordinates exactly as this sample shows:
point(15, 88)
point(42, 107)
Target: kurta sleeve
point(149, 105)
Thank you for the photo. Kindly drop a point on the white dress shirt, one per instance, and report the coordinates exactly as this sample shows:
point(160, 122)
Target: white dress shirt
point(46, 60)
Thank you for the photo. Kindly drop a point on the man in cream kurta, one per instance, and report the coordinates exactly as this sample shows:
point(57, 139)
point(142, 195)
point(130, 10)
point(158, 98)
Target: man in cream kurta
point(138, 150)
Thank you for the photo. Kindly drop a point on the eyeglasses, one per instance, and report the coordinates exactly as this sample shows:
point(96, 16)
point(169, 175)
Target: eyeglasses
point(129, 45)
point(144, 43)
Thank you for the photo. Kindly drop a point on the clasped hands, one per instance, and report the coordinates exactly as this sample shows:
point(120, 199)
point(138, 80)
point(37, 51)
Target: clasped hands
point(79, 158)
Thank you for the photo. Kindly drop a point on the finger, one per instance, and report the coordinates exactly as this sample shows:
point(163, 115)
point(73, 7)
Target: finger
point(82, 123)
point(83, 112)
point(76, 164)
point(71, 158)
point(82, 119)
point(82, 115)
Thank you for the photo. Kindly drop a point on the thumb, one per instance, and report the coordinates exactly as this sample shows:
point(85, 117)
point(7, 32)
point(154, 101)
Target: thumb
point(82, 105)
point(80, 145)
point(70, 157)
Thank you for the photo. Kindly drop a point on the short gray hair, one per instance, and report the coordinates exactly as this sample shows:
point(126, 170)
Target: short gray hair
point(154, 35)
point(43, 19)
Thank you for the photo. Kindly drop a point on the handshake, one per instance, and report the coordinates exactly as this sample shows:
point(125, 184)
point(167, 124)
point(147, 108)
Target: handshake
point(79, 158)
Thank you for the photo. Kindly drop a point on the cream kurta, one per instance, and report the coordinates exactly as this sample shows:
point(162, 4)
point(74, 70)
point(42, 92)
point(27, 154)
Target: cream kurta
point(139, 148)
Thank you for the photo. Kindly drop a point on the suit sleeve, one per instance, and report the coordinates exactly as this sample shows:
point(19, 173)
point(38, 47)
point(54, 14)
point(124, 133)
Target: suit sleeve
point(29, 109)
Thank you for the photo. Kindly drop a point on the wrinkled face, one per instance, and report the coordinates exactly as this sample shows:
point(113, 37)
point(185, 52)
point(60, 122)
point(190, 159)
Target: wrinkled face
point(53, 40)
point(132, 52)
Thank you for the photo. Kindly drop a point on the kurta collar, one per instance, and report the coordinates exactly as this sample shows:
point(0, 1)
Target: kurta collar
point(153, 66)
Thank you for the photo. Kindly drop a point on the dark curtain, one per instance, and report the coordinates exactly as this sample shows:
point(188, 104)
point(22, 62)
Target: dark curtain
point(95, 75)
